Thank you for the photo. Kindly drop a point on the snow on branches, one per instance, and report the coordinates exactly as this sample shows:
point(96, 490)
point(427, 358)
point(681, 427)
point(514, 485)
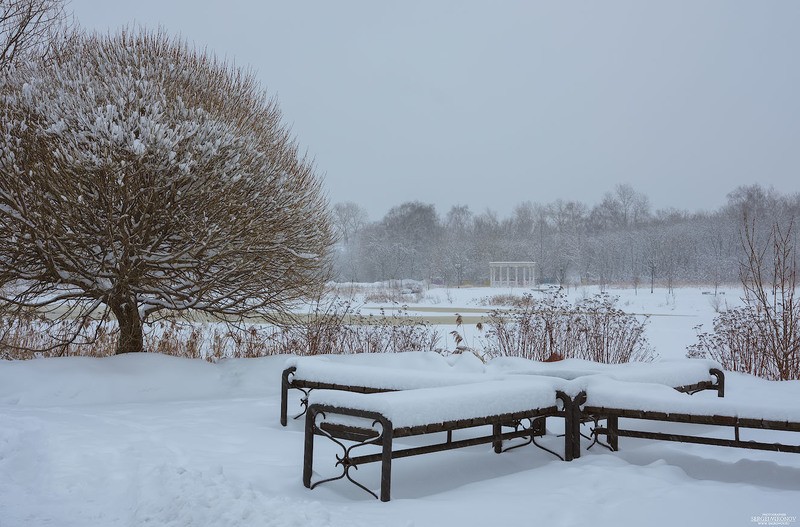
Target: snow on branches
point(144, 176)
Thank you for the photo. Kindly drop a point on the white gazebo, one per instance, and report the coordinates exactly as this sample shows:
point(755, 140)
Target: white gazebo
point(512, 274)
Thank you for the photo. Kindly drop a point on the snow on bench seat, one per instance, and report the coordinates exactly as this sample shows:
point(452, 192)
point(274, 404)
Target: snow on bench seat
point(369, 373)
point(380, 378)
point(412, 360)
point(427, 406)
point(674, 373)
point(608, 393)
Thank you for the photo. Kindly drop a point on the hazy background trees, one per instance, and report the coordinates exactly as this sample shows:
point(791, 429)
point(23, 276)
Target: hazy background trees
point(348, 220)
point(142, 177)
point(618, 240)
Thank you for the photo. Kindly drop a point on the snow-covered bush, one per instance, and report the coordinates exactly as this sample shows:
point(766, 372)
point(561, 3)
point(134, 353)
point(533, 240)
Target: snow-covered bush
point(553, 328)
point(142, 177)
point(763, 336)
point(735, 343)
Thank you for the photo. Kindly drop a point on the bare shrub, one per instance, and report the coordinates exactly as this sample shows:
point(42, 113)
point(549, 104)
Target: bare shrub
point(601, 332)
point(337, 327)
point(381, 296)
point(591, 329)
point(763, 336)
point(32, 335)
point(734, 343)
point(717, 303)
point(394, 296)
point(506, 299)
point(211, 341)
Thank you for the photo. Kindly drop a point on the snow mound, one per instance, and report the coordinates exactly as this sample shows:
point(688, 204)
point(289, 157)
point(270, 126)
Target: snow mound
point(144, 377)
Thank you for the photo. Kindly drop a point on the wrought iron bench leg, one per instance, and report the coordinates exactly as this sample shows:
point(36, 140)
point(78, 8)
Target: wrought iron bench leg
point(346, 461)
point(576, 425)
point(720, 376)
point(308, 454)
point(612, 432)
point(285, 394)
point(572, 424)
point(386, 463)
point(497, 429)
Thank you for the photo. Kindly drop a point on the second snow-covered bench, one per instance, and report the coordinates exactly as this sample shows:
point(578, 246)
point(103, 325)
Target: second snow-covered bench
point(610, 400)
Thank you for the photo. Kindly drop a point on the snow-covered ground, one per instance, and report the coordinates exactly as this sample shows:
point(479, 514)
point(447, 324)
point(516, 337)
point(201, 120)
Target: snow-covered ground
point(162, 441)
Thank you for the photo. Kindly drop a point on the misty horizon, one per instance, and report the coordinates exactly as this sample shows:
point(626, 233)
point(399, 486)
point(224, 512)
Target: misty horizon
point(486, 104)
point(653, 211)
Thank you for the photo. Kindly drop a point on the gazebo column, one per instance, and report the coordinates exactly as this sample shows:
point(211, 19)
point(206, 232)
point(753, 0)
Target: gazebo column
point(512, 274)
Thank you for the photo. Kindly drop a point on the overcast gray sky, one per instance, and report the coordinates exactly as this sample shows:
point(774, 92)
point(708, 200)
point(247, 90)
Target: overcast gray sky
point(496, 102)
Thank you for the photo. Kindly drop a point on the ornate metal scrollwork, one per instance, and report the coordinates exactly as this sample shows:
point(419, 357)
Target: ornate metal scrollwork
point(345, 460)
point(519, 426)
point(303, 401)
point(536, 427)
point(595, 432)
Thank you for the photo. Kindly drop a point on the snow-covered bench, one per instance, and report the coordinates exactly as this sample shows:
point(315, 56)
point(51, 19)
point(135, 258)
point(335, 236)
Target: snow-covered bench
point(375, 373)
point(380, 418)
point(371, 373)
point(609, 399)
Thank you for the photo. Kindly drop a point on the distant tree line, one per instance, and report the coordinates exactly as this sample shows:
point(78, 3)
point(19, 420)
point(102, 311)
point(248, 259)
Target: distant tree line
point(620, 240)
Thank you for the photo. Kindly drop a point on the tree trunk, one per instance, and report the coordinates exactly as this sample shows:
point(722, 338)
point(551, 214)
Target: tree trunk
point(652, 279)
point(131, 337)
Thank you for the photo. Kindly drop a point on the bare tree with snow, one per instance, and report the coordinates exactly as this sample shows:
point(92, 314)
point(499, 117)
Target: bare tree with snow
point(142, 177)
point(30, 28)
